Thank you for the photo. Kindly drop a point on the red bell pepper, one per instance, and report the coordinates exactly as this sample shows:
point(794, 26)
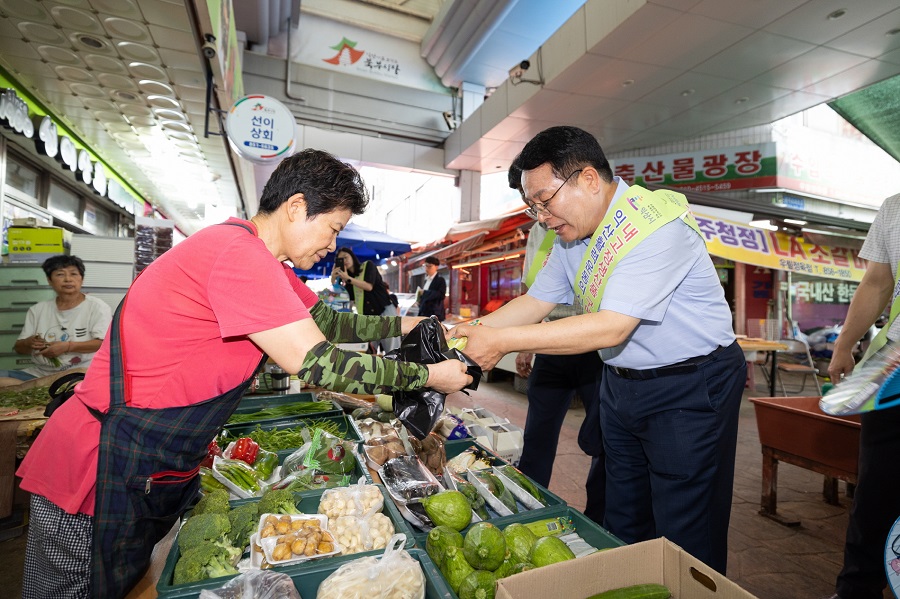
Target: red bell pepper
point(212, 451)
point(245, 449)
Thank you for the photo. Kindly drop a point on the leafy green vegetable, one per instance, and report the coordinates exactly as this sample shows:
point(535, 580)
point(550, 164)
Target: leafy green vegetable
point(290, 438)
point(202, 562)
point(214, 502)
point(24, 399)
point(299, 408)
point(278, 501)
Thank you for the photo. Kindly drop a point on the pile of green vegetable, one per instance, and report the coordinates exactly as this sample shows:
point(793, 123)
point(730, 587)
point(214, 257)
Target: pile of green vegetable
point(215, 536)
point(300, 408)
point(291, 438)
point(24, 399)
point(473, 563)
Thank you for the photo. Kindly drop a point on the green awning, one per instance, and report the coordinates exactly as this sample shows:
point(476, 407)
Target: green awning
point(875, 111)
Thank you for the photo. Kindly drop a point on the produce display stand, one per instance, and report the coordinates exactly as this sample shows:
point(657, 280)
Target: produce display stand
point(308, 503)
point(794, 430)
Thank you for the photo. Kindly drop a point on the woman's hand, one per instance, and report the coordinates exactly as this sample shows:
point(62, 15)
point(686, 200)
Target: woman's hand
point(36, 344)
point(56, 349)
point(448, 376)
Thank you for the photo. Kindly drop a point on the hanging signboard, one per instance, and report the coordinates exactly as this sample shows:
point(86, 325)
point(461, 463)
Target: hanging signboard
point(261, 129)
point(774, 249)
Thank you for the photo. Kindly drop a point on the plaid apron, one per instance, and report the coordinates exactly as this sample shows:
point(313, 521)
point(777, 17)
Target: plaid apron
point(146, 474)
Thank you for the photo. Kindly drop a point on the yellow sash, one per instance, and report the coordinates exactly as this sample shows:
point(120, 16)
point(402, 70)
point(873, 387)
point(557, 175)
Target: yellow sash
point(882, 337)
point(540, 257)
point(635, 215)
point(359, 294)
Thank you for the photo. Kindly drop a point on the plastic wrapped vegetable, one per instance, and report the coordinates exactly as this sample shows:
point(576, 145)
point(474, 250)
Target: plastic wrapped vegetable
point(259, 584)
point(406, 478)
point(323, 453)
point(265, 464)
point(240, 478)
point(360, 499)
point(496, 488)
point(244, 449)
point(395, 575)
point(361, 533)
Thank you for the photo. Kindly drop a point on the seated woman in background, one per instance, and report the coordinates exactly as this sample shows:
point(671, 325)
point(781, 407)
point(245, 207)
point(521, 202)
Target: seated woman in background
point(62, 333)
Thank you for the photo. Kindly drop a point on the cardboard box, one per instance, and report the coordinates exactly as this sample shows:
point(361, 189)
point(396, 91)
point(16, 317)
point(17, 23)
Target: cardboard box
point(658, 561)
point(36, 244)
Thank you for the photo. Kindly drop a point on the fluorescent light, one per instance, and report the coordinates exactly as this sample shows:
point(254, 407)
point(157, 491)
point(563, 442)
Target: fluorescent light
point(763, 224)
point(794, 221)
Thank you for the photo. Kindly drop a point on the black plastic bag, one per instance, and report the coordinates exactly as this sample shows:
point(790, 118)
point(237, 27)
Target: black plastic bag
point(61, 390)
point(425, 344)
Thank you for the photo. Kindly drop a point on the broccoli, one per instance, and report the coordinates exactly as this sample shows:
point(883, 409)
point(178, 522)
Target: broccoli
point(202, 562)
point(214, 502)
point(205, 529)
point(244, 520)
point(278, 501)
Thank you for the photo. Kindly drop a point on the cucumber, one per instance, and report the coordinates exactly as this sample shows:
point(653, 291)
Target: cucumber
point(638, 591)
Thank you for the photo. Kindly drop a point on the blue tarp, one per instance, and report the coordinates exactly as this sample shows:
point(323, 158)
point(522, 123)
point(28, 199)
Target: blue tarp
point(365, 243)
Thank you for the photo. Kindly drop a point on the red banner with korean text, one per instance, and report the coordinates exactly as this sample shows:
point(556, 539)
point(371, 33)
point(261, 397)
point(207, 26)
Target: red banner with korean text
point(774, 249)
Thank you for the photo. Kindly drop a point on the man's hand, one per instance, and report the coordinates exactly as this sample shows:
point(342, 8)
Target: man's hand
point(448, 376)
point(55, 349)
point(37, 344)
point(841, 365)
point(523, 364)
point(481, 344)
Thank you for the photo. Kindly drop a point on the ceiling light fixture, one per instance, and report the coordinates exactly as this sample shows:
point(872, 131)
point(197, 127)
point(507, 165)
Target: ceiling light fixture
point(742, 100)
point(834, 16)
point(688, 92)
point(627, 82)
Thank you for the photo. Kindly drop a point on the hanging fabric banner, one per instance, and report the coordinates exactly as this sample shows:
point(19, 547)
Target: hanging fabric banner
point(774, 249)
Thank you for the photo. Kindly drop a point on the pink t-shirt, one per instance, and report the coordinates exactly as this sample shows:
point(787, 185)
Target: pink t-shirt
point(185, 326)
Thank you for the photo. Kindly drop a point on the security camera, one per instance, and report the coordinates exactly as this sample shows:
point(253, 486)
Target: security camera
point(517, 71)
point(450, 120)
point(209, 50)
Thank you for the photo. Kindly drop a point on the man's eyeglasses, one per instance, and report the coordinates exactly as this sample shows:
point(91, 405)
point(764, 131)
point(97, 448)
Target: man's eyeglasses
point(538, 208)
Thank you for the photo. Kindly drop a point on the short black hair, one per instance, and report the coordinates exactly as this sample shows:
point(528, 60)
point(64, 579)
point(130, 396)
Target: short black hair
point(565, 149)
point(57, 262)
point(514, 175)
point(357, 267)
point(432, 260)
point(327, 184)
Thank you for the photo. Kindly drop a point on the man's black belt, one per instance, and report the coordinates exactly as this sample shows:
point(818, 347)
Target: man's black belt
point(689, 365)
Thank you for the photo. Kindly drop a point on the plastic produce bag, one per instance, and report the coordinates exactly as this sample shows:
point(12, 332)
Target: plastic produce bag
point(394, 575)
point(425, 344)
point(360, 499)
point(873, 385)
point(361, 533)
point(324, 453)
point(255, 584)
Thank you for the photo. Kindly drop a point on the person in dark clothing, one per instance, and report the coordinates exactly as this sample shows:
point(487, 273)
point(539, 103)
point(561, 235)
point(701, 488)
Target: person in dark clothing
point(431, 300)
point(364, 284)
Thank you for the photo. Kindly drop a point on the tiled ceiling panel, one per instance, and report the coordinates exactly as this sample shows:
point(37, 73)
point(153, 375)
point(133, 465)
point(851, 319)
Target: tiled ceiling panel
point(127, 78)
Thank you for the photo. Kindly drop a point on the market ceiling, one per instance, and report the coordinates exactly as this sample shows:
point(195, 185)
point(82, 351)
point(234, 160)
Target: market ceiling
point(128, 76)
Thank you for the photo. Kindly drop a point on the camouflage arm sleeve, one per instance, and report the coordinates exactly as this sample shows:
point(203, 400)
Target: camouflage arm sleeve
point(327, 366)
point(346, 327)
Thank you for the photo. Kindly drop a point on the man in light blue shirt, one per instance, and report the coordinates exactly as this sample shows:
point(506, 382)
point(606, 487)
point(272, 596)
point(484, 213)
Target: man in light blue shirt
point(673, 374)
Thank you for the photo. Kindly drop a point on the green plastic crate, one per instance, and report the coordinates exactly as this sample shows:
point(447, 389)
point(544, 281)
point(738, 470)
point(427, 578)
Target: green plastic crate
point(308, 503)
point(589, 530)
point(255, 403)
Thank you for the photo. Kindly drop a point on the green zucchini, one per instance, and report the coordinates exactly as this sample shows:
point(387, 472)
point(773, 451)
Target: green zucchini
point(638, 591)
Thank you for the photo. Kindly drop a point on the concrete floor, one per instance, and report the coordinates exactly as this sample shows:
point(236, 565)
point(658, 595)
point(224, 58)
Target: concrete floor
point(767, 559)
